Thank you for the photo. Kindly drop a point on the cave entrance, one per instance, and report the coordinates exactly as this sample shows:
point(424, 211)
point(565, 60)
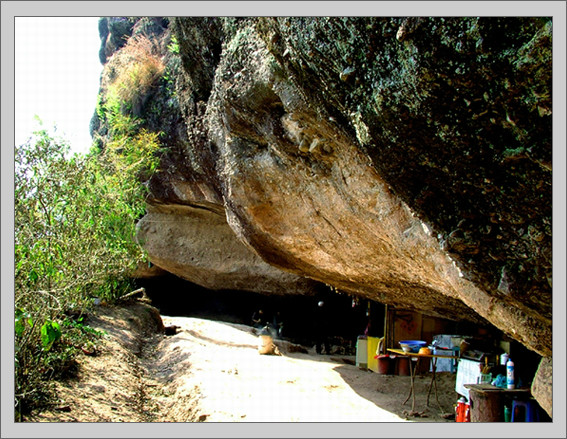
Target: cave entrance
point(176, 297)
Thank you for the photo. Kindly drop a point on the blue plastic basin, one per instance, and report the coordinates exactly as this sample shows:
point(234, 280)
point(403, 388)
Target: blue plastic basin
point(414, 345)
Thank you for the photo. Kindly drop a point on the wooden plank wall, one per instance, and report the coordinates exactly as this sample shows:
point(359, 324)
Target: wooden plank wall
point(410, 325)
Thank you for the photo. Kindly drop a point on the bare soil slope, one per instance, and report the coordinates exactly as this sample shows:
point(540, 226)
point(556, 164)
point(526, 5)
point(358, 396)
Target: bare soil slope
point(211, 371)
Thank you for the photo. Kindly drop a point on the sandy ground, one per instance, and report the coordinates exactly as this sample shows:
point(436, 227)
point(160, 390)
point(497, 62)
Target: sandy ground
point(211, 371)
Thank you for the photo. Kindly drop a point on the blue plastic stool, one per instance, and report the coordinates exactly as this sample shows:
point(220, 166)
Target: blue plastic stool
point(530, 409)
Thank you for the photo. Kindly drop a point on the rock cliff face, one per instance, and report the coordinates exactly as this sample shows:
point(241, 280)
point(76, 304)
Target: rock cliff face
point(405, 160)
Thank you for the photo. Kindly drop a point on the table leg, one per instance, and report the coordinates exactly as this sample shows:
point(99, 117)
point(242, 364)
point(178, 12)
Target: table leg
point(411, 381)
point(434, 383)
point(432, 380)
point(413, 370)
point(412, 385)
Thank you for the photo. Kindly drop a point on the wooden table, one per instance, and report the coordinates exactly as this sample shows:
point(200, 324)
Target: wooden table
point(413, 371)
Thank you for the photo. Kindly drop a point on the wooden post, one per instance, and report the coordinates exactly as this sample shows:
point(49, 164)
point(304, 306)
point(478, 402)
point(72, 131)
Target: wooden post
point(385, 344)
point(486, 406)
point(389, 334)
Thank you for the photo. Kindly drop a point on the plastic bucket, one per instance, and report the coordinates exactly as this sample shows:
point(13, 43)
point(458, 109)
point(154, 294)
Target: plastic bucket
point(384, 364)
point(403, 366)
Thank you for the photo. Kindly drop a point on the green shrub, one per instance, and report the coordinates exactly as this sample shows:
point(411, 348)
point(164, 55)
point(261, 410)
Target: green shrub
point(173, 46)
point(75, 224)
point(74, 241)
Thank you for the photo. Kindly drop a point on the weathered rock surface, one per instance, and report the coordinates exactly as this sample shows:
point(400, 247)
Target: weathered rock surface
point(406, 160)
point(542, 385)
point(198, 245)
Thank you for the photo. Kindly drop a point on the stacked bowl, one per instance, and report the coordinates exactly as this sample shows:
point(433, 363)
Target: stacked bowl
point(412, 346)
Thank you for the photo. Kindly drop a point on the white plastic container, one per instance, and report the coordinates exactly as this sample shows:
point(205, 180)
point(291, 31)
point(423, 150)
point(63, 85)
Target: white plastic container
point(510, 375)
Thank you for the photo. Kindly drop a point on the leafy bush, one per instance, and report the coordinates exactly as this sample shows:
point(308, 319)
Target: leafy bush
point(38, 364)
point(173, 46)
point(75, 223)
point(74, 241)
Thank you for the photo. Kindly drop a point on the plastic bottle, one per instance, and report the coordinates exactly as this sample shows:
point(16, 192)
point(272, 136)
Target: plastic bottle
point(462, 411)
point(510, 374)
point(507, 413)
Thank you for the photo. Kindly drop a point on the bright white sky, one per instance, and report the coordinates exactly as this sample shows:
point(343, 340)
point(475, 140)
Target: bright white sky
point(57, 76)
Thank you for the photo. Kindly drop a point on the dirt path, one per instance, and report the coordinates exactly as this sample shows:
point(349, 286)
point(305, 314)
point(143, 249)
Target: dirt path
point(211, 371)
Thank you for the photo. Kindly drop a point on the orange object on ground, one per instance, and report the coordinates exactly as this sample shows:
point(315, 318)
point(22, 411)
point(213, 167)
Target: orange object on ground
point(463, 411)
